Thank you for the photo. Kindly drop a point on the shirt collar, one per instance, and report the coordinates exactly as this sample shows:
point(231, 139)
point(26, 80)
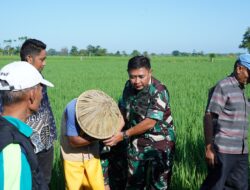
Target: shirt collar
point(20, 125)
point(235, 82)
point(150, 81)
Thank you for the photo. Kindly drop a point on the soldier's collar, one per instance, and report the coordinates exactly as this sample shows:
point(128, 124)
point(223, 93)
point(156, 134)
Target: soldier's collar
point(150, 81)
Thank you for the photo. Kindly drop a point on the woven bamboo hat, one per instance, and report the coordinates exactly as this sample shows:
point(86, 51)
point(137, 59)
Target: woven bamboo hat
point(97, 114)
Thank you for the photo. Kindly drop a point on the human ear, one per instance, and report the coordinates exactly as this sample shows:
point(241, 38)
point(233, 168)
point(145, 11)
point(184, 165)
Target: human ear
point(238, 69)
point(29, 59)
point(150, 72)
point(31, 99)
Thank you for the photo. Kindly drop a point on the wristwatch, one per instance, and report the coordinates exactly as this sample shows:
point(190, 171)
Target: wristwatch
point(124, 135)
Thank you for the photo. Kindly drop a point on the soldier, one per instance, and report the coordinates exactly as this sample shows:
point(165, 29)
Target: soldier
point(114, 165)
point(145, 105)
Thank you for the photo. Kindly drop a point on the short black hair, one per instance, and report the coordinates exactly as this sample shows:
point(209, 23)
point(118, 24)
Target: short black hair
point(31, 47)
point(138, 62)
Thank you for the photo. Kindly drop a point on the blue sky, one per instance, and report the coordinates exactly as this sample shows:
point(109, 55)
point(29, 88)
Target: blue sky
point(159, 26)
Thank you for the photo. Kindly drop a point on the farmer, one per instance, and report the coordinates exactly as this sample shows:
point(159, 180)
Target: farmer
point(225, 129)
point(21, 94)
point(145, 105)
point(91, 117)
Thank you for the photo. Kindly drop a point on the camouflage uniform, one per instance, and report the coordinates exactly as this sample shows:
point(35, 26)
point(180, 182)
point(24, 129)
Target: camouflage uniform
point(115, 165)
point(150, 155)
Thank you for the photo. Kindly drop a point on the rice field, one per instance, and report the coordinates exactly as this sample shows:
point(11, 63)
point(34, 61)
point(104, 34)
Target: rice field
point(187, 79)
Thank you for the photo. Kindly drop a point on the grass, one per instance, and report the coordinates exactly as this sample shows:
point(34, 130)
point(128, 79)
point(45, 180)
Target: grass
point(187, 79)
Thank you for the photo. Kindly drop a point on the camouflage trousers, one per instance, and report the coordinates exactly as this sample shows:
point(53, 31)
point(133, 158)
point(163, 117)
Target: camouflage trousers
point(151, 168)
point(115, 166)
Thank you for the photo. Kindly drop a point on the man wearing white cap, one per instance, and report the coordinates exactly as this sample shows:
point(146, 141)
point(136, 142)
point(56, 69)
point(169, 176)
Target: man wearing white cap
point(21, 94)
point(226, 130)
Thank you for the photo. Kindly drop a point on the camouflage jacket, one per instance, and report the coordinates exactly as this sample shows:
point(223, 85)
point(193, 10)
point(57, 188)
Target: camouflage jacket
point(151, 102)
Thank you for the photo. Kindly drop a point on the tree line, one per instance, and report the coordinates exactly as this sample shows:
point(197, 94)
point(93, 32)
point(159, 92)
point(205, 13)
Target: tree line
point(12, 47)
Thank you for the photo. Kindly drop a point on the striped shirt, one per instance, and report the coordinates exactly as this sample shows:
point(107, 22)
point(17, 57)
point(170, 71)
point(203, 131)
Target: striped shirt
point(229, 102)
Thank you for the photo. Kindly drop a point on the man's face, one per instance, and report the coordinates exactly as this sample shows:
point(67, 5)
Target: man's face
point(243, 75)
point(38, 61)
point(139, 78)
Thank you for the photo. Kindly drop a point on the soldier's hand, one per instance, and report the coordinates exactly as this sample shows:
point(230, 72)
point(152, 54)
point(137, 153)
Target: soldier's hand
point(114, 139)
point(210, 156)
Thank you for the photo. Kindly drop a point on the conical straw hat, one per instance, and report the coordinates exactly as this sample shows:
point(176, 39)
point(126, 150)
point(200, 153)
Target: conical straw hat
point(97, 114)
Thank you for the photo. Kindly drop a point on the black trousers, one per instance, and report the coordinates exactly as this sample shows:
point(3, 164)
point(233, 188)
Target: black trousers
point(45, 161)
point(231, 172)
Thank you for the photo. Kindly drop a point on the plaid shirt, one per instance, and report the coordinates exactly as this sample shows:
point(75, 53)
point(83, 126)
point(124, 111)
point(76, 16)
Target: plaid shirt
point(229, 102)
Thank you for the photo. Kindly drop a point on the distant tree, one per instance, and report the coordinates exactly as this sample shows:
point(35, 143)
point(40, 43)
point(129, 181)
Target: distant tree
point(96, 50)
point(211, 57)
point(197, 53)
point(11, 51)
point(124, 53)
point(8, 46)
point(185, 54)
point(51, 51)
point(194, 53)
point(91, 50)
point(83, 52)
point(175, 53)
point(246, 40)
point(110, 54)
point(135, 53)
point(6, 50)
point(117, 53)
point(64, 51)
point(22, 39)
point(16, 50)
point(145, 53)
point(100, 51)
point(8, 42)
point(74, 51)
point(201, 53)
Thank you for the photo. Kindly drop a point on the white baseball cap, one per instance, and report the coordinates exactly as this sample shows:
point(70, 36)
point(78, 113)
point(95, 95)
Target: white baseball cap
point(20, 75)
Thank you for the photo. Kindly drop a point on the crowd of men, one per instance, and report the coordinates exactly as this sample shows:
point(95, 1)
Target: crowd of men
point(104, 145)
